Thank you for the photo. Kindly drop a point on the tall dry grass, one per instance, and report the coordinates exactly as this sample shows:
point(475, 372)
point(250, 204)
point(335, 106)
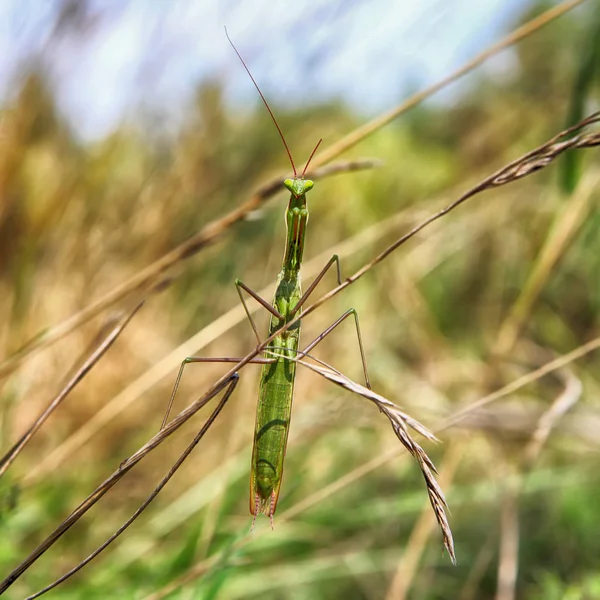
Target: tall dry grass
point(474, 308)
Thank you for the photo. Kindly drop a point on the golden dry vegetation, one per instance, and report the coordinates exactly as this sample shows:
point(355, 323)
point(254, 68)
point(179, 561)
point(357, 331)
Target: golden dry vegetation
point(486, 295)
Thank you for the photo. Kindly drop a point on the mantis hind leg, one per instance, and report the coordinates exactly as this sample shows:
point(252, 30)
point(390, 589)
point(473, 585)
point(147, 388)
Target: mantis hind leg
point(201, 359)
point(322, 336)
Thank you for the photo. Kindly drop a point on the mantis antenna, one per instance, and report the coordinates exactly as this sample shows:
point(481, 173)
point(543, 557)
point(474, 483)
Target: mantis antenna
point(287, 149)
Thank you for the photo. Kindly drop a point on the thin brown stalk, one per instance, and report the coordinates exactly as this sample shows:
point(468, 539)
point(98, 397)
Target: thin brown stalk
point(549, 419)
point(103, 342)
point(519, 420)
point(549, 367)
point(479, 568)
point(508, 561)
point(213, 230)
point(508, 558)
point(566, 224)
point(111, 481)
point(401, 422)
point(377, 123)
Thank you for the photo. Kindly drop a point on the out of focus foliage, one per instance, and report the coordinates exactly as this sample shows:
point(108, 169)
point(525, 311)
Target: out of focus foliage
point(78, 219)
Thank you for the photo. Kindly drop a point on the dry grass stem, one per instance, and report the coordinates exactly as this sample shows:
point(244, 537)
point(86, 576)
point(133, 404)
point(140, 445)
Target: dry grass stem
point(549, 419)
point(564, 228)
point(104, 341)
point(512, 38)
point(124, 468)
point(549, 367)
point(508, 558)
point(508, 561)
point(401, 422)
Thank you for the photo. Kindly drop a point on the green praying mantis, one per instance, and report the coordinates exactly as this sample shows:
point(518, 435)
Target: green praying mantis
point(280, 355)
point(279, 361)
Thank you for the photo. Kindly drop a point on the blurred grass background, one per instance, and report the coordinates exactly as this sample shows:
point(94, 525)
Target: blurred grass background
point(493, 291)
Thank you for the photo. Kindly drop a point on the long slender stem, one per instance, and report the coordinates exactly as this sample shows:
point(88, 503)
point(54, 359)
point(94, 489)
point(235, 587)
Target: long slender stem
point(230, 388)
point(89, 362)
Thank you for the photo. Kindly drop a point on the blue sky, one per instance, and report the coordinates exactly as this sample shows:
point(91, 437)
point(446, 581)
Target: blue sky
point(155, 52)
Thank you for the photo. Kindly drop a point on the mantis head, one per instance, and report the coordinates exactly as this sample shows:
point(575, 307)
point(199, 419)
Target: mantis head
point(298, 186)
